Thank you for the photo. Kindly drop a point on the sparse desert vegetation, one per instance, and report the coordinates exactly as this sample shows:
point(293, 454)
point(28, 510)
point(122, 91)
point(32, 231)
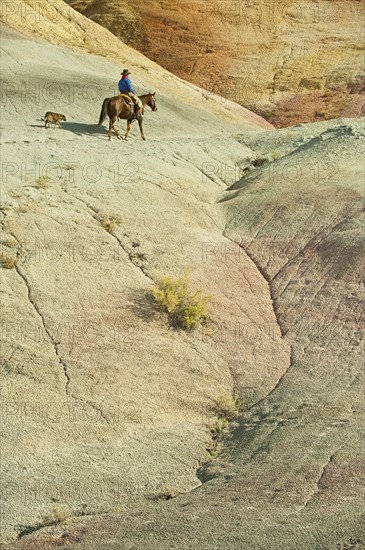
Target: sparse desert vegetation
point(217, 427)
point(227, 406)
point(42, 182)
point(56, 516)
point(110, 222)
point(84, 347)
point(9, 243)
point(186, 308)
point(6, 261)
point(167, 492)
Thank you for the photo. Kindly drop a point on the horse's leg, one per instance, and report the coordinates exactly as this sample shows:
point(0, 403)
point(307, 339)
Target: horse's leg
point(115, 119)
point(129, 126)
point(140, 122)
point(111, 127)
point(112, 122)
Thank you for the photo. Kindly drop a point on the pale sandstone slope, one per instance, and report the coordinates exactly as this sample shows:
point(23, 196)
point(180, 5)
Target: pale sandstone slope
point(105, 417)
point(105, 403)
point(290, 473)
point(59, 24)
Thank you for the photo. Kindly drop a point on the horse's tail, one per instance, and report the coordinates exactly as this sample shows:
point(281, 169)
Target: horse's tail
point(104, 111)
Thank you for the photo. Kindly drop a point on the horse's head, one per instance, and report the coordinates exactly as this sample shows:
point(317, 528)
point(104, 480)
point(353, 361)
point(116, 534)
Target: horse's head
point(152, 101)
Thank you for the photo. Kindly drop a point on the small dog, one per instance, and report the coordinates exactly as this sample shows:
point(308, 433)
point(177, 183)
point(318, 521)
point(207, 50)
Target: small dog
point(56, 118)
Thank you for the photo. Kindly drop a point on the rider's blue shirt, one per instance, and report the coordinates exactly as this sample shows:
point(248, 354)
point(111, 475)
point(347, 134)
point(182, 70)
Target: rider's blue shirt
point(125, 85)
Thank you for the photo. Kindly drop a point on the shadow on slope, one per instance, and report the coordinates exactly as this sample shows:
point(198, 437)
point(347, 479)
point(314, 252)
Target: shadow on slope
point(77, 128)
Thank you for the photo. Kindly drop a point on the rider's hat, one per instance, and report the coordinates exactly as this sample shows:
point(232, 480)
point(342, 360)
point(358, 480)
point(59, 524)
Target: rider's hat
point(125, 71)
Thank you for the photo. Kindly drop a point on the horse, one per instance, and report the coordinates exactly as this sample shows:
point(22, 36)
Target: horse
point(116, 107)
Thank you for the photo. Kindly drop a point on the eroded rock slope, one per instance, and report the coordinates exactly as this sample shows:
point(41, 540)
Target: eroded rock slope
point(105, 404)
point(293, 62)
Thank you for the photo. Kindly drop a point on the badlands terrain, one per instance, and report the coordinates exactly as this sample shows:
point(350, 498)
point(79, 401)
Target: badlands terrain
point(106, 439)
point(291, 61)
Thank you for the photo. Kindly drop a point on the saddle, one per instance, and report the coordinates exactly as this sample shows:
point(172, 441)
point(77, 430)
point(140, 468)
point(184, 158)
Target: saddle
point(127, 99)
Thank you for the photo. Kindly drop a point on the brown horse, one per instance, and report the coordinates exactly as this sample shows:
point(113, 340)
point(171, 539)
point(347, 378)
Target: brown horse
point(116, 107)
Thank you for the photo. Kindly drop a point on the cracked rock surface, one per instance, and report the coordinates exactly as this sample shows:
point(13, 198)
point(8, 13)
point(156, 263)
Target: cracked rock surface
point(104, 403)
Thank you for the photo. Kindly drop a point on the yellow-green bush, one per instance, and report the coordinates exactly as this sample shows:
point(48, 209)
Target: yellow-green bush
point(217, 427)
point(227, 407)
point(186, 309)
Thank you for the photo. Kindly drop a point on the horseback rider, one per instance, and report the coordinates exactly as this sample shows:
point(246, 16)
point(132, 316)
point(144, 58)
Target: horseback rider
point(125, 87)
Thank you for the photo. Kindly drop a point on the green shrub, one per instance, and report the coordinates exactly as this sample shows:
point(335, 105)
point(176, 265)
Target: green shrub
point(217, 427)
point(169, 292)
point(227, 407)
point(186, 309)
